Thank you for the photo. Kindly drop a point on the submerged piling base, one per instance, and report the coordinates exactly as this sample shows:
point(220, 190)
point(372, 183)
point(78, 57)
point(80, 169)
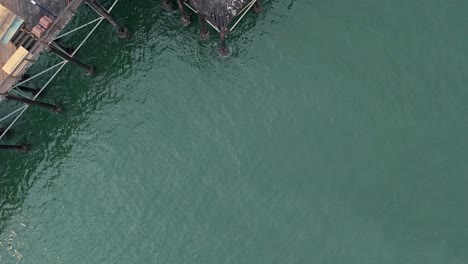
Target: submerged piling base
point(257, 8)
point(204, 33)
point(223, 50)
point(166, 5)
point(184, 18)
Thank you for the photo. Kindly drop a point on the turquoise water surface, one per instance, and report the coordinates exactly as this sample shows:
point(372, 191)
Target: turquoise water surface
point(334, 133)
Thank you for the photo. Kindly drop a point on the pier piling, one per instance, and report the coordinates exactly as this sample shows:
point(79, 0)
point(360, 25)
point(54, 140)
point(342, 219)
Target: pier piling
point(223, 50)
point(257, 8)
point(121, 30)
point(166, 5)
point(204, 33)
point(19, 148)
point(64, 48)
point(33, 91)
point(54, 108)
point(89, 69)
point(184, 18)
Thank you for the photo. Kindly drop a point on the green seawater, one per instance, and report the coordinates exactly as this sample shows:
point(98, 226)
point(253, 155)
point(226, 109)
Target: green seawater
point(336, 132)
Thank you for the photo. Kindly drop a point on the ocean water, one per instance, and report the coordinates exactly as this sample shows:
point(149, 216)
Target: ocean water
point(334, 133)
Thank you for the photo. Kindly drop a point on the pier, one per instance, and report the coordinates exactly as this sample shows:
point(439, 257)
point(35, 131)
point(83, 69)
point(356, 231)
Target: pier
point(27, 29)
point(20, 59)
point(30, 27)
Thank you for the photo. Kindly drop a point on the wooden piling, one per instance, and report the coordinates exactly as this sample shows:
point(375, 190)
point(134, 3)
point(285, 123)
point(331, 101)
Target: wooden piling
point(19, 148)
point(88, 68)
point(121, 30)
point(52, 107)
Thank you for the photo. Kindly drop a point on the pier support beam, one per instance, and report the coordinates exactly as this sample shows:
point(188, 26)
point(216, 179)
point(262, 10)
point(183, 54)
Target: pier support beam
point(54, 108)
point(2, 130)
point(33, 91)
point(204, 33)
point(223, 50)
point(66, 49)
point(121, 30)
point(184, 18)
point(89, 69)
point(166, 5)
point(19, 148)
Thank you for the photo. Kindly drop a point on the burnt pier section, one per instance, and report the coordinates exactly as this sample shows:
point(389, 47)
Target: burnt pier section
point(223, 15)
